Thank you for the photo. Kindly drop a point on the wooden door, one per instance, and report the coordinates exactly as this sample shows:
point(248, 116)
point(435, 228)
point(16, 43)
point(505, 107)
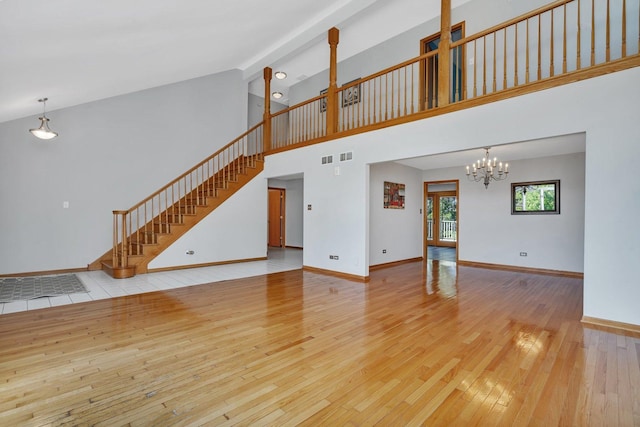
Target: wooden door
point(276, 217)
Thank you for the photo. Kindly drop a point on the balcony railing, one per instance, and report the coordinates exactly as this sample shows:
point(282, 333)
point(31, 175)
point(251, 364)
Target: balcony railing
point(448, 230)
point(563, 39)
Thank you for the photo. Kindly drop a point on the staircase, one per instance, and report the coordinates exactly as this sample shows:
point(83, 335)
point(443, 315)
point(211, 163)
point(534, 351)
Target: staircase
point(142, 232)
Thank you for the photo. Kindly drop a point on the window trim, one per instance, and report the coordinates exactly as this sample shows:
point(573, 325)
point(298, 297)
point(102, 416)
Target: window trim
point(556, 211)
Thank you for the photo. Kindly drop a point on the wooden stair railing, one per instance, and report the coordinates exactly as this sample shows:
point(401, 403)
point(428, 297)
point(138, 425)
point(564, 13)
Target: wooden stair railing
point(560, 43)
point(510, 59)
point(149, 227)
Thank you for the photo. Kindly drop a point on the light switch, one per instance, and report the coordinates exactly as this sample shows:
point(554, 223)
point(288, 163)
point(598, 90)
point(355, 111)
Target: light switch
point(65, 205)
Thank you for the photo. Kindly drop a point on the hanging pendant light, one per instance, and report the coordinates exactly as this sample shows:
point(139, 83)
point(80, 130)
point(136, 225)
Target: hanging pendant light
point(43, 132)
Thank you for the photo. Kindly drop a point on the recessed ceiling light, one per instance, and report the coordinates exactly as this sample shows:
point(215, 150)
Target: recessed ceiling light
point(280, 75)
point(277, 95)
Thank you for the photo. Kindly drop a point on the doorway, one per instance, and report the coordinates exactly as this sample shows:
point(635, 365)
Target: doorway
point(276, 220)
point(441, 220)
point(429, 69)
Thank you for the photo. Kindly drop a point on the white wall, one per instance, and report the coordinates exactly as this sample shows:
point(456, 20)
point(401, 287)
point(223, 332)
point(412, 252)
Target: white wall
point(340, 216)
point(294, 207)
point(231, 232)
point(337, 223)
point(488, 232)
point(477, 15)
point(110, 155)
point(399, 231)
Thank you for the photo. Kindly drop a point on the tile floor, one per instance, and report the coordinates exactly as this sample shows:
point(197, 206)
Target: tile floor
point(102, 286)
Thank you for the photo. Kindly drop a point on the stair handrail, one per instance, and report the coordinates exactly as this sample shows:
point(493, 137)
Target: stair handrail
point(211, 157)
point(209, 174)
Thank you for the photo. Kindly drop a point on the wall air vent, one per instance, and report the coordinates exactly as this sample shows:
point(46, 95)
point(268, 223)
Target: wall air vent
point(346, 156)
point(327, 159)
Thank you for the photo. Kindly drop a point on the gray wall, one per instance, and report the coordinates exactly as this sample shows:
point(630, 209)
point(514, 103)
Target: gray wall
point(110, 155)
point(256, 109)
point(477, 15)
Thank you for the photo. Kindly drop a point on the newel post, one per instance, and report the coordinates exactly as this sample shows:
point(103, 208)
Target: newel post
point(332, 92)
point(120, 256)
point(266, 128)
point(444, 54)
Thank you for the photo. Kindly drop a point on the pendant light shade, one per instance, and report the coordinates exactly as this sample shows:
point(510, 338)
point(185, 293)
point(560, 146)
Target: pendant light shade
point(43, 132)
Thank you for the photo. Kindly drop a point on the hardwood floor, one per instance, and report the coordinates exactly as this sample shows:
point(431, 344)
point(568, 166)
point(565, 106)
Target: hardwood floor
point(436, 346)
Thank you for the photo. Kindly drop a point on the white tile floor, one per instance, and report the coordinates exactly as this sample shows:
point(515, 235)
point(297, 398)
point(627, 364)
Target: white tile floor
point(102, 286)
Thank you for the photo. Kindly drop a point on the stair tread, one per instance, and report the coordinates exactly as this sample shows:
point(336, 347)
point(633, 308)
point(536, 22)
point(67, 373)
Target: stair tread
point(194, 204)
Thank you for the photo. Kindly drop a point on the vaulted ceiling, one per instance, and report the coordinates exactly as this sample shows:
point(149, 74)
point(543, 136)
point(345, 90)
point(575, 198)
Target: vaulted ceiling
point(77, 51)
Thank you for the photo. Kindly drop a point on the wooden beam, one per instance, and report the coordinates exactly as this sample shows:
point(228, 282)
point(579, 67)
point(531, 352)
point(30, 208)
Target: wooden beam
point(332, 95)
point(266, 129)
point(444, 53)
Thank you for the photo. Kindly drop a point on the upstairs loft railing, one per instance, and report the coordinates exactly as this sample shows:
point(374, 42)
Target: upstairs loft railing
point(561, 39)
point(555, 40)
point(142, 223)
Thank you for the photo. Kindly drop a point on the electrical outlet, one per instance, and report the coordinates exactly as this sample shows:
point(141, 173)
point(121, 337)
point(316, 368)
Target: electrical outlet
point(330, 256)
point(336, 257)
point(523, 254)
point(384, 251)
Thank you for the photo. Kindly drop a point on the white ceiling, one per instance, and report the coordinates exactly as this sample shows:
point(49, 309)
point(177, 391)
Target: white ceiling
point(77, 51)
point(555, 146)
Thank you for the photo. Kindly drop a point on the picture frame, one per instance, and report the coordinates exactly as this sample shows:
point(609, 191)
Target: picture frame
point(535, 198)
point(323, 101)
point(351, 95)
point(394, 194)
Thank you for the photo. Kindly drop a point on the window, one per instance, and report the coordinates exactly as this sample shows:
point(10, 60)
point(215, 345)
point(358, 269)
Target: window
point(536, 197)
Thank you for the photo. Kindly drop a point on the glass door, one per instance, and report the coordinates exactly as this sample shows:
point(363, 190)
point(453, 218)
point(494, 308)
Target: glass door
point(448, 220)
point(442, 218)
point(429, 219)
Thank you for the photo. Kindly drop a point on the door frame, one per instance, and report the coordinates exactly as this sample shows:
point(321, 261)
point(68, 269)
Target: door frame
point(283, 211)
point(425, 244)
point(436, 217)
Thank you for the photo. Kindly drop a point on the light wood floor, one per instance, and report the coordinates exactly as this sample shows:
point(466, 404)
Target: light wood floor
point(441, 346)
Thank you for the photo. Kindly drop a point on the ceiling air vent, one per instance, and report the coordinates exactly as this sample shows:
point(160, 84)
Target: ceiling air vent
point(327, 159)
point(346, 156)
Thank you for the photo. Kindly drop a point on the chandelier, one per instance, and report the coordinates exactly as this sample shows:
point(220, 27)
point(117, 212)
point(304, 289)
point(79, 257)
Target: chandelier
point(486, 170)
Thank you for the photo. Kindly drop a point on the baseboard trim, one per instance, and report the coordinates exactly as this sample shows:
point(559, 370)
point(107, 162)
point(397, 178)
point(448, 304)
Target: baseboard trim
point(294, 247)
point(611, 324)
point(561, 273)
point(336, 274)
point(46, 272)
point(394, 263)
point(206, 264)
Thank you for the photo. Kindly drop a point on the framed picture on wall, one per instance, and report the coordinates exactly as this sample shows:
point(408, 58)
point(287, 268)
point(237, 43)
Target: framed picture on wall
point(351, 95)
point(393, 195)
point(323, 101)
